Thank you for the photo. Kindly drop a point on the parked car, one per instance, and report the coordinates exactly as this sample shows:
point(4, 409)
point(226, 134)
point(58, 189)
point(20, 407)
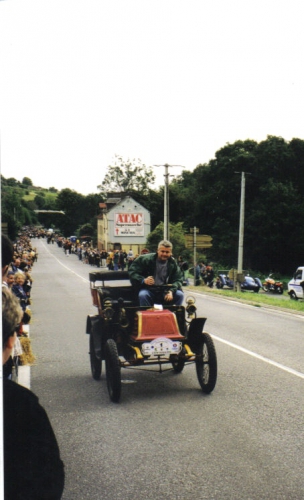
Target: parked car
point(296, 285)
point(251, 284)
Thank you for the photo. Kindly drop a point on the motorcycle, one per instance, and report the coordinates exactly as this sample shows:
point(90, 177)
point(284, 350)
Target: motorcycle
point(251, 284)
point(223, 281)
point(271, 285)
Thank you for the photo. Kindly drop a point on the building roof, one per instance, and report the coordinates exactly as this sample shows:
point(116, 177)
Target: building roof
point(113, 200)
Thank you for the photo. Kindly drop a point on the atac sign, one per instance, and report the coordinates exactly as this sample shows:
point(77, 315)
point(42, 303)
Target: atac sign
point(129, 224)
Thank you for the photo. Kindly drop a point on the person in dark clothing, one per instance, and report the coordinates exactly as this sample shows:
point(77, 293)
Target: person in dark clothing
point(33, 469)
point(157, 269)
point(122, 260)
point(7, 252)
point(209, 276)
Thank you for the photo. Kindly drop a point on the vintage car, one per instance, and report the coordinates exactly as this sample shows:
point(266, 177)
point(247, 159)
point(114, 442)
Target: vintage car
point(123, 334)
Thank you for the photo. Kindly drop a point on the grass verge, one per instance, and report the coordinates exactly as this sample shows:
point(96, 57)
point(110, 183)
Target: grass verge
point(254, 299)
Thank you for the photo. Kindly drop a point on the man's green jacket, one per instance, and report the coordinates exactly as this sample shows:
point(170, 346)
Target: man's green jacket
point(145, 265)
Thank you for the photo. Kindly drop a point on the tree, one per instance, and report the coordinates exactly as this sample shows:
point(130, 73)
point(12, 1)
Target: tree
point(273, 202)
point(127, 175)
point(26, 181)
point(39, 201)
point(15, 212)
point(177, 238)
point(11, 181)
point(71, 203)
point(87, 230)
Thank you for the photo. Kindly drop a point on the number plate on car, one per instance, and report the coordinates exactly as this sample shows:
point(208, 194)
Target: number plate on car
point(161, 347)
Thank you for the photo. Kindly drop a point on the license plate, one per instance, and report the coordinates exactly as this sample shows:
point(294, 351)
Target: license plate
point(161, 347)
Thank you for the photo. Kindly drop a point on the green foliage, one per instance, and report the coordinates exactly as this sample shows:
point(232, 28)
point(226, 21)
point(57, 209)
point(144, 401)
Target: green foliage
point(177, 238)
point(11, 181)
point(14, 212)
point(274, 205)
point(87, 230)
point(26, 181)
point(126, 175)
point(39, 201)
point(18, 205)
point(71, 203)
point(254, 299)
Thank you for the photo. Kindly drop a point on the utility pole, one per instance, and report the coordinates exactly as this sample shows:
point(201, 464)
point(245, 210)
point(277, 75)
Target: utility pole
point(166, 199)
point(166, 203)
point(194, 253)
point(241, 231)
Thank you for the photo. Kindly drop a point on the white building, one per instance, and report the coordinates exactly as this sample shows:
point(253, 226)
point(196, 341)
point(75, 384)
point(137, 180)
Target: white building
point(123, 224)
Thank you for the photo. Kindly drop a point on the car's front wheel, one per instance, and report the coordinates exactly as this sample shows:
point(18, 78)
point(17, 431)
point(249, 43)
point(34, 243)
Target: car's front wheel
point(206, 363)
point(113, 370)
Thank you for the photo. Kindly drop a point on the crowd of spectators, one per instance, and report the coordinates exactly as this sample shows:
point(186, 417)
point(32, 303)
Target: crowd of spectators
point(19, 281)
point(33, 468)
point(114, 260)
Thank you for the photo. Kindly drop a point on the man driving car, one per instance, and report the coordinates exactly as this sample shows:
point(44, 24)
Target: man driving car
point(154, 269)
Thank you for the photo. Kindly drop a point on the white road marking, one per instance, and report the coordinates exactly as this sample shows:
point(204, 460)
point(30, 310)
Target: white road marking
point(66, 267)
point(261, 358)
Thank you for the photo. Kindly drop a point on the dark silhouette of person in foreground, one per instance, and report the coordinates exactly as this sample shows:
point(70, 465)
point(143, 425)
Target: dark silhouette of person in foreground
point(33, 469)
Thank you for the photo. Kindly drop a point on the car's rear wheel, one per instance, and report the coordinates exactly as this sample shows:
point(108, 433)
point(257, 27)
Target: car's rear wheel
point(113, 370)
point(206, 363)
point(293, 295)
point(96, 365)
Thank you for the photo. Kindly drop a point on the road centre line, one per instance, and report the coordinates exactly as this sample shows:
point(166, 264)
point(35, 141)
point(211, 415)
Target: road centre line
point(261, 358)
point(231, 344)
point(66, 267)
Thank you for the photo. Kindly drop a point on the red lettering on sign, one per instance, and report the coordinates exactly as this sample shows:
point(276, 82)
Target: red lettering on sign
point(129, 218)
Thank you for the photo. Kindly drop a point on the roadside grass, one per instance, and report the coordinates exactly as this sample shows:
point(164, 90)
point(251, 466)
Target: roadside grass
point(30, 196)
point(45, 193)
point(255, 299)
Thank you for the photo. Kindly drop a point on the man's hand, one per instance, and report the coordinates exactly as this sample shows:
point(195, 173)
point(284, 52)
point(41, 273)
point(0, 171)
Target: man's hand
point(149, 280)
point(169, 296)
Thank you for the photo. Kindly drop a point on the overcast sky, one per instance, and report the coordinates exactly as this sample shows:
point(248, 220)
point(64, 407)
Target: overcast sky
point(167, 81)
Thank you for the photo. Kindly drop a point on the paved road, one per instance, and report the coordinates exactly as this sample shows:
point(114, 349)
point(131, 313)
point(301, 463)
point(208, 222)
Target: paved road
point(166, 440)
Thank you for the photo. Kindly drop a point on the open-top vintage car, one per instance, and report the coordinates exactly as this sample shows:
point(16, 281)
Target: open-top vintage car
point(124, 334)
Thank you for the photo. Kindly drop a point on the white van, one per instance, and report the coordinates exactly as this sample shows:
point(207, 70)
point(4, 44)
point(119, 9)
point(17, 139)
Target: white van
point(296, 285)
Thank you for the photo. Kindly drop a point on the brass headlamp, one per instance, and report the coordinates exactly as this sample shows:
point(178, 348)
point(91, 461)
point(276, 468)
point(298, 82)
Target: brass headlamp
point(191, 307)
point(108, 311)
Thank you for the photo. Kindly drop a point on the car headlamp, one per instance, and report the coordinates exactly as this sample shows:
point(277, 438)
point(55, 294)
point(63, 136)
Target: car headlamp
point(108, 311)
point(191, 307)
